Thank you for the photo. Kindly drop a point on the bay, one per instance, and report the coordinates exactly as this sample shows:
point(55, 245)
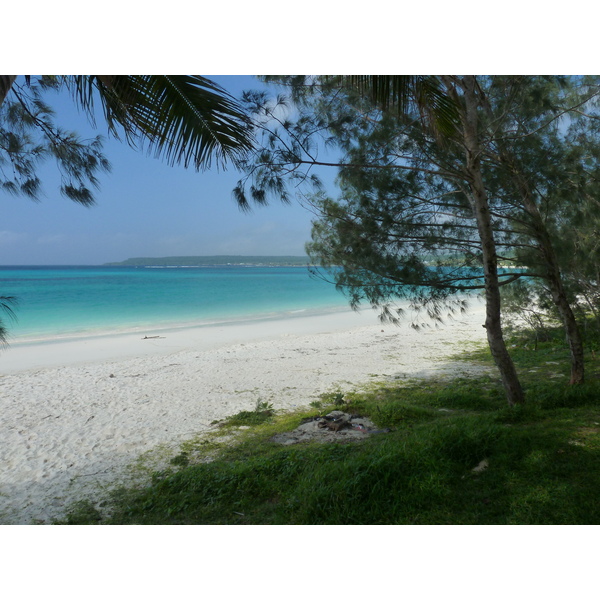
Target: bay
point(66, 302)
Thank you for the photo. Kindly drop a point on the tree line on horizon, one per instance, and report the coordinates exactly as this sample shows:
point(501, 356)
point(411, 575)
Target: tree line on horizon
point(441, 179)
point(216, 260)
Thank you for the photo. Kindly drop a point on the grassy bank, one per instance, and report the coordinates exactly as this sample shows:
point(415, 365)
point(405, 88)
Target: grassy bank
point(456, 454)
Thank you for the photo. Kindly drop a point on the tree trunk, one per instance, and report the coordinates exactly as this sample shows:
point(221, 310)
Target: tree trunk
point(559, 296)
point(553, 274)
point(481, 210)
point(570, 324)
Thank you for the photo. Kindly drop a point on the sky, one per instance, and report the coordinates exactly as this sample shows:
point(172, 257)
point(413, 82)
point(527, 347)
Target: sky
point(145, 208)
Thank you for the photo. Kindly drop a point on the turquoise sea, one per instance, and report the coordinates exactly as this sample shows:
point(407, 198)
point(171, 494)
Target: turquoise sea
point(67, 302)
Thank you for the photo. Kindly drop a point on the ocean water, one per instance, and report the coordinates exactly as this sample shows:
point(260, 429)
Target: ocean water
point(66, 302)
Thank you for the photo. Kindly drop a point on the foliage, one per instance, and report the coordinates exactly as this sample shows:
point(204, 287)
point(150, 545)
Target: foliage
point(395, 231)
point(82, 512)
point(181, 460)
point(6, 306)
point(29, 136)
point(336, 398)
point(423, 92)
point(335, 116)
point(185, 119)
point(562, 167)
point(263, 411)
point(404, 214)
point(418, 209)
point(527, 303)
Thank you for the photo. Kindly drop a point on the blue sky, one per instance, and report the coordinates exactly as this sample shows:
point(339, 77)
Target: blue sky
point(144, 208)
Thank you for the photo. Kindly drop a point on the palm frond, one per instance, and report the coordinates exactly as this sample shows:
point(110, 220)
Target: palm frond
point(6, 305)
point(389, 91)
point(186, 119)
point(6, 82)
point(399, 92)
point(438, 107)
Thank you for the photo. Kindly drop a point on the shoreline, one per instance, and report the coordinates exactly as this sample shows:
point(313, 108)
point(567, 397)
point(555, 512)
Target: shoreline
point(29, 339)
point(109, 345)
point(76, 415)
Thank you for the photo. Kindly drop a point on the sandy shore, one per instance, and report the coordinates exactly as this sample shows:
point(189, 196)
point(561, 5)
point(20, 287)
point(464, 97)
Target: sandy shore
point(74, 415)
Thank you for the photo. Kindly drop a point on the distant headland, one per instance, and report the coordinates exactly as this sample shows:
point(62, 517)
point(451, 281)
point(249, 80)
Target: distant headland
point(214, 261)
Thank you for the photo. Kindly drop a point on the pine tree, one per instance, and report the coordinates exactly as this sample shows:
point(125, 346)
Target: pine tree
point(412, 194)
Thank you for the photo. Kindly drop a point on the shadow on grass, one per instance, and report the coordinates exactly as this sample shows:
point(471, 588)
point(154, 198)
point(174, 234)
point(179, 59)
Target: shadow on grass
point(456, 455)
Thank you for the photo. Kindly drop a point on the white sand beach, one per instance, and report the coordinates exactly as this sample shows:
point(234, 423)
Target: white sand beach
point(74, 415)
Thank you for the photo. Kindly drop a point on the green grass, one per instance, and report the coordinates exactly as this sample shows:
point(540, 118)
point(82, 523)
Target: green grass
point(543, 459)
